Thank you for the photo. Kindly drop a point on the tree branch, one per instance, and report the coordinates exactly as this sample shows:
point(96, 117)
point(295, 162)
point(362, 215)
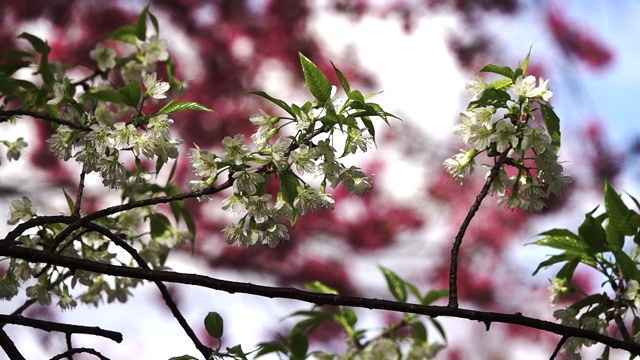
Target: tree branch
point(166, 295)
point(55, 326)
point(70, 352)
point(9, 347)
point(43, 116)
point(455, 249)
point(7, 249)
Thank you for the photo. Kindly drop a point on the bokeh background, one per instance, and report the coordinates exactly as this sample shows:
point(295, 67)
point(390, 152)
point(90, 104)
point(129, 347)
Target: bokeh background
point(421, 53)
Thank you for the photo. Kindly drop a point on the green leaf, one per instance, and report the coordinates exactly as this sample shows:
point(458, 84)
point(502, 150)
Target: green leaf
point(9, 68)
point(214, 324)
point(627, 265)
point(299, 345)
point(589, 300)
point(434, 295)
point(154, 21)
point(70, 203)
point(125, 34)
point(395, 284)
point(620, 216)
point(554, 260)
point(592, 232)
point(160, 225)
point(270, 347)
point(131, 94)
point(500, 70)
point(419, 332)
point(141, 28)
point(319, 287)
point(182, 106)
point(278, 102)
point(38, 44)
point(289, 183)
point(566, 272)
point(491, 97)
point(111, 96)
point(568, 241)
point(183, 357)
point(350, 317)
point(343, 79)
point(501, 84)
point(439, 327)
point(317, 81)
point(552, 122)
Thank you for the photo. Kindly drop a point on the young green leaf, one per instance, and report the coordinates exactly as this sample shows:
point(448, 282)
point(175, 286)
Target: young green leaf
point(70, 203)
point(619, 214)
point(395, 284)
point(131, 94)
point(141, 28)
point(125, 34)
point(278, 102)
point(160, 225)
point(343, 79)
point(552, 122)
point(214, 324)
point(111, 96)
point(38, 44)
point(182, 106)
point(419, 332)
point(319, 287)
point(270, 347)
point(317, 81)
point(183, 357)
point(289, 183)
point(593, 234)
point(500, 70)
point(299, 345)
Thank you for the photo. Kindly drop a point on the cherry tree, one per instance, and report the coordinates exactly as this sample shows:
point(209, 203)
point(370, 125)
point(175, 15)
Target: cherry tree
point(266, 169)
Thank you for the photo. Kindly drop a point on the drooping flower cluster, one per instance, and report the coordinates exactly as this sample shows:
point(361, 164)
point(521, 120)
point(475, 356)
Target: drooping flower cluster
point(290, 158)
point(500, 122)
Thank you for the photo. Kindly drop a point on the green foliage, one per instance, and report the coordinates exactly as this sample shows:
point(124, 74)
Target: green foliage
point(214, 324)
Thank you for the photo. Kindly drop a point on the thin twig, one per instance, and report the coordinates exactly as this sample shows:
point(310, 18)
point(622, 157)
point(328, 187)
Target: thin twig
point(558, 347)
point(455, 249)
point(78, 351)
point(61, 327)
point(43, 116)
point(166, 295)
point(7, 249)
point(78, 204)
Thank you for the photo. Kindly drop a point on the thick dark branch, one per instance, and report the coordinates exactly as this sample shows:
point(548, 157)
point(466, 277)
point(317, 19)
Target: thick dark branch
point(55, 326)
point(43, 116)
point(455, 249)
point(9, 347)
point(311, 297)
point(136, 204)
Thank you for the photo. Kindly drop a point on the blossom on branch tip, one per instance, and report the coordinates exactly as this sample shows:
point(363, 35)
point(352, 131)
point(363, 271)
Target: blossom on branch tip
point(155, 88)
point(476, 87)
point(234, 149)
point(309, 199)
point(461, 163)
point(504, 136)
point(154, 50)
point(246, 181)
point(106, 57)
point(274, 234)
point(203, 163)
point(21, 210)
point(59, 90)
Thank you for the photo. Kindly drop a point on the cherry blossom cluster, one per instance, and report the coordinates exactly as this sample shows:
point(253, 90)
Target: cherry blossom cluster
point(291, 158)
point(500, 121)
